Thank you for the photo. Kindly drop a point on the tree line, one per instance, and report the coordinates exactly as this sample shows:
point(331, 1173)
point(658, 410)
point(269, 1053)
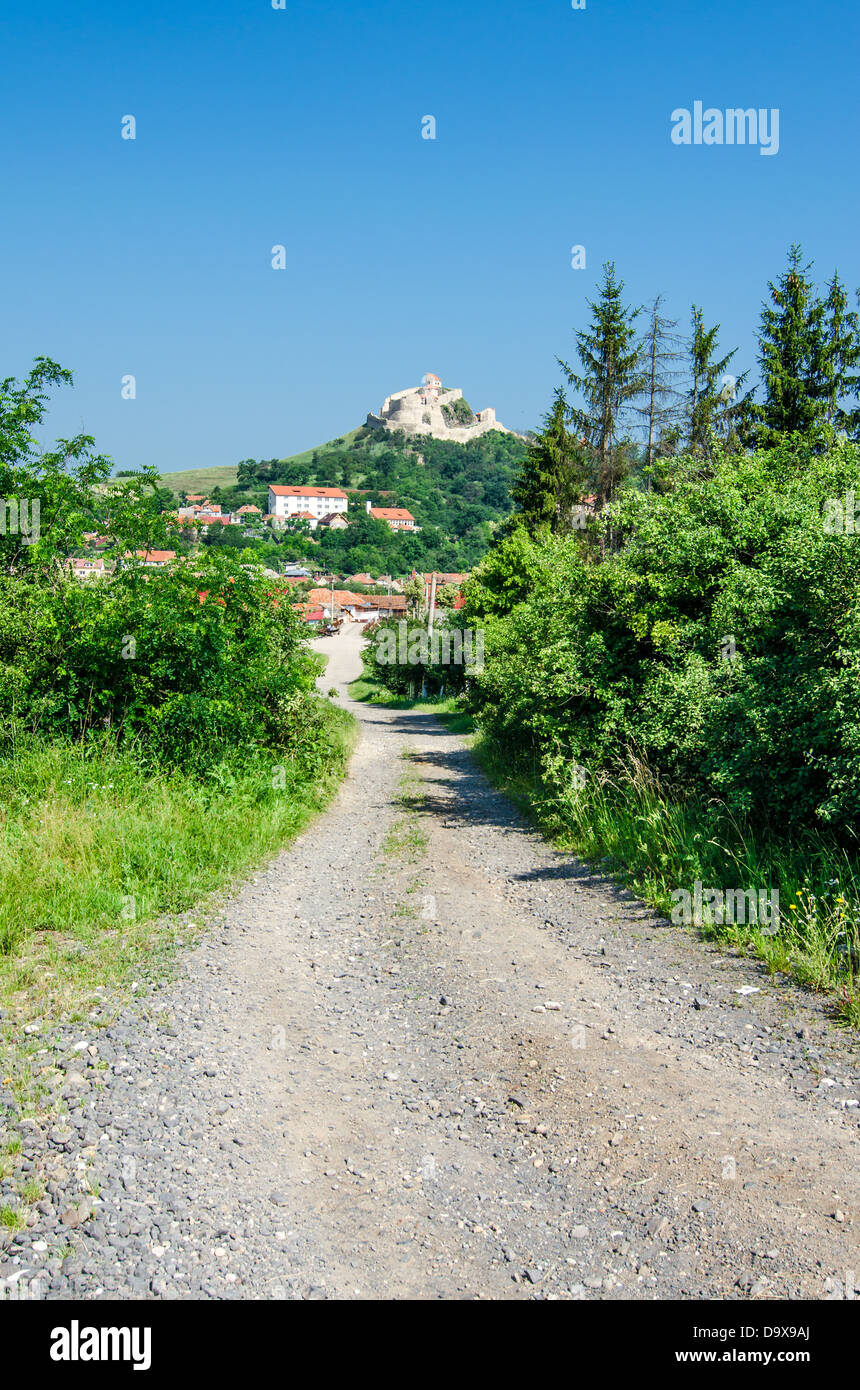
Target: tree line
point(634, 371)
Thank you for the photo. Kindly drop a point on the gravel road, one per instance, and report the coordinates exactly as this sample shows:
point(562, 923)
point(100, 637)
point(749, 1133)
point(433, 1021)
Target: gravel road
point(423, 1054)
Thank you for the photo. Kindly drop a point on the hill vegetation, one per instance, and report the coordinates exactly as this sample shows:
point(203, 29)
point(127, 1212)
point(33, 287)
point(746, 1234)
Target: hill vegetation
point(458, 494)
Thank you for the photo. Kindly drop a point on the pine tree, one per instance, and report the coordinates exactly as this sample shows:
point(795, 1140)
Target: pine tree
point(711, 400)
point(659, 351)
point(611, 376)
point(553, 475)
point(842, 357)
point(793, 358)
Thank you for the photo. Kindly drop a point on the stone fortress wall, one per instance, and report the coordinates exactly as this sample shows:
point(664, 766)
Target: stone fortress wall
point(416, 412)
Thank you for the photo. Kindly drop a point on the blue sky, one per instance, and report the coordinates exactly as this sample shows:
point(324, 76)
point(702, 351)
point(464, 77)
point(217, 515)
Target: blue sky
point(302, 127)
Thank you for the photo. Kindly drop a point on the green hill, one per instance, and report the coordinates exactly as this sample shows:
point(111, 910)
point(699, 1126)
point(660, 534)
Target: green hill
point(201, 479)
point(458, 494)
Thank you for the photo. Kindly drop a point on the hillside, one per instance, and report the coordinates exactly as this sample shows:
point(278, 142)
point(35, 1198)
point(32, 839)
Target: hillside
point(457, 492)
point(201, 479)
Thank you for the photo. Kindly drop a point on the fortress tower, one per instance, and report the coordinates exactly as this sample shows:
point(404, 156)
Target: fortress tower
point(429, 409)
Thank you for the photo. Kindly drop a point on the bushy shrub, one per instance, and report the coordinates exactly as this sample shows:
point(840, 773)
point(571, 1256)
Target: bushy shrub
point(187, 662)
point(720, 641)
point(402, 656)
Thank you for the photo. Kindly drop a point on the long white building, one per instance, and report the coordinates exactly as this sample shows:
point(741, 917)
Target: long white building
point(316, 501)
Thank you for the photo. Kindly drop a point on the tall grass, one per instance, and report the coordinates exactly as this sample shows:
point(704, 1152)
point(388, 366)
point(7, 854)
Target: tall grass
point(96, 846)
point(657, 843)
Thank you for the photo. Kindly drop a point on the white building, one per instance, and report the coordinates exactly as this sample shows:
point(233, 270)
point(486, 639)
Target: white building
point(317, 501)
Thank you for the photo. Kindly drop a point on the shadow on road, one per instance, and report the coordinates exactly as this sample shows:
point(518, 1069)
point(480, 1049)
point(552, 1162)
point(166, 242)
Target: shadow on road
point(461, 795)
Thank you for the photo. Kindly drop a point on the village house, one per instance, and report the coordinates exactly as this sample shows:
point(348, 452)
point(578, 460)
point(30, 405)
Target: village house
point(317, 502)
point(88, 568)
point(393, 606)
point(154, 559)
point(334, 521)
point(311, 613)
point(205, 515)
point(359, 607)
point(397, 517)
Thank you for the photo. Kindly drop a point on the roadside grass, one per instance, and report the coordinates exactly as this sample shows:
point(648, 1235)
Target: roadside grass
point(101, 856)
point(629, 828)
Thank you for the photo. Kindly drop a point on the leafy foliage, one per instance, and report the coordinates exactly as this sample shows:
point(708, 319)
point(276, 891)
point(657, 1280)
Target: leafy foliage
point(720, 643)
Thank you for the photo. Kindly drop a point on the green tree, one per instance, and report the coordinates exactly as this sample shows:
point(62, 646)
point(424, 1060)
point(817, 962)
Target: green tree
point(797, 365)
point(48, 494)
point(553, 474)
point(611, 376)
point(842, 358)
point(712, 405)
point(413, 592)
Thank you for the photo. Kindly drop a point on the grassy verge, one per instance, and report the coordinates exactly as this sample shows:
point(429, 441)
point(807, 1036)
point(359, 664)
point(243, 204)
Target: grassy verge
point(101, 857)
point(632, 830)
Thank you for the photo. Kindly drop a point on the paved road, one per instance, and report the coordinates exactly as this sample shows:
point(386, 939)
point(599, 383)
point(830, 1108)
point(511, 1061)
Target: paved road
point(426, 1055)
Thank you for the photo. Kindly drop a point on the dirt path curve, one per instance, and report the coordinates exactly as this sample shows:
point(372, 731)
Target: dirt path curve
point(426, 1055)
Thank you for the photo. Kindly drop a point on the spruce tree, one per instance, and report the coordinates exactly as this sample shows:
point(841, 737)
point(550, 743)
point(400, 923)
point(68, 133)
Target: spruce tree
point(611, 377)
point(711, 399)
point(553, 475)
point(794, 359)
point(842, 357)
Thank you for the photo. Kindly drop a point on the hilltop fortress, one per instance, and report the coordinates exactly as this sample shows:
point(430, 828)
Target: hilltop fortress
point(437, 410)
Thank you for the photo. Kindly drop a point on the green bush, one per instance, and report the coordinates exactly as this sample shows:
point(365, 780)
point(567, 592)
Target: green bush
point(718, 642)
point(185, 662)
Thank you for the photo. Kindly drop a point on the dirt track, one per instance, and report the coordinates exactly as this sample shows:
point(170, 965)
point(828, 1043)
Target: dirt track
point(425, 1055)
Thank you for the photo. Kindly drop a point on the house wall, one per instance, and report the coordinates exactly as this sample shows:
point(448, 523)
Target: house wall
point(279, 505)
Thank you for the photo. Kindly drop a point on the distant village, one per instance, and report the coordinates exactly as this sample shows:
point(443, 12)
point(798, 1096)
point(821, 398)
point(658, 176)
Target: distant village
point(322, 599)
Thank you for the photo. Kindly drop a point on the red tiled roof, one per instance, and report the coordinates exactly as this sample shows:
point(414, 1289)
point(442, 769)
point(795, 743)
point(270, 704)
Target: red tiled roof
point(306, 491)
point(342, 598)
point(391, 514)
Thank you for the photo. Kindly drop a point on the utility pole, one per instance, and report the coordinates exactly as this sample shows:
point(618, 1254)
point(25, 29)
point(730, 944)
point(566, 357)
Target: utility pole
point(432, 602)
